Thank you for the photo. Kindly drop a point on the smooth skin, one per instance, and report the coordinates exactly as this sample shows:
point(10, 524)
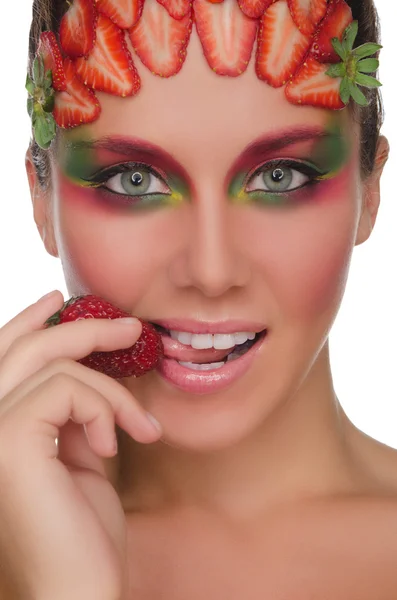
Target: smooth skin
point(265, 490)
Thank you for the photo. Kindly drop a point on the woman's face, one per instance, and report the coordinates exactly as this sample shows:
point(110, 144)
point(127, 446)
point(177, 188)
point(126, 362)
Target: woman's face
point(216, 234)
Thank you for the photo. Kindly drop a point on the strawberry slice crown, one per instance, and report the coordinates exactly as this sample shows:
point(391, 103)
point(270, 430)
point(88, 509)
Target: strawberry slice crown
point(99, 40)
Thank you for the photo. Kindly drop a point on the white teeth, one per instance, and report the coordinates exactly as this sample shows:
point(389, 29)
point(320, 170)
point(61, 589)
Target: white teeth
point(201, 341)
point(222, 341)
point(219, 341)
point(203, 367)
point(182, 337)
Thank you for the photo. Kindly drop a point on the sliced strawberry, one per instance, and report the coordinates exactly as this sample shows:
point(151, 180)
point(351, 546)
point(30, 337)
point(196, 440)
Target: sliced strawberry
point(159, 40)
point(109, 66)
point(338, 17)
point(77, 28)
point(176, 8)
point(49, 50)
point(227, 36)
point(125, 13)
point(307, 14)
point(78, 104)
point(281, 46)
point(254, 8)
point(313, 87)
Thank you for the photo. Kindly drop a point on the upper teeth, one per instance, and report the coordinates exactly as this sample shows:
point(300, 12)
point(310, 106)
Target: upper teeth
point(219, 341)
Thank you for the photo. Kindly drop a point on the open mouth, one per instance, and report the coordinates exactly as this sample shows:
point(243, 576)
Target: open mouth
point(207, 358)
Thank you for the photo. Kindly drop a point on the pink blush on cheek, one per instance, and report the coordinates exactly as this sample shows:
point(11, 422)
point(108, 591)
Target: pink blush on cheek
point(323, 258)
point(81, 197)
point(89, 235)
point(99, 246)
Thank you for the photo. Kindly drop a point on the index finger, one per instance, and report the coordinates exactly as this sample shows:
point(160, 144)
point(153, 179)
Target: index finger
point(30, 319)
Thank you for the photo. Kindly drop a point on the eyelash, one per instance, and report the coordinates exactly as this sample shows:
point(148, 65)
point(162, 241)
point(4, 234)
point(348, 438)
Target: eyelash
point(99, 179)
point(311, 172)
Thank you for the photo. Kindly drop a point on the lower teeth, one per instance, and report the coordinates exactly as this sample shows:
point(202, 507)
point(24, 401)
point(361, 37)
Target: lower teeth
point(201, 367)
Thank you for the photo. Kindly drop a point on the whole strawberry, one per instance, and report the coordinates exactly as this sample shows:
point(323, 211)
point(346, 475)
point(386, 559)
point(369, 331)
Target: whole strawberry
point(135, 361)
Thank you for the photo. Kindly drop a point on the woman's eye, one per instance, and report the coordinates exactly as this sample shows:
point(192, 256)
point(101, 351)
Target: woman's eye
point(137, 182)
point(277, 179)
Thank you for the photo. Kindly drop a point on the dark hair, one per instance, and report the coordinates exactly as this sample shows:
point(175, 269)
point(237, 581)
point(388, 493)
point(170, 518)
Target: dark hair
point(47, 15)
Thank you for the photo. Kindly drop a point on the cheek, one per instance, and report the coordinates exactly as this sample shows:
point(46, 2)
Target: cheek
point(305, 251)
point(103, 250)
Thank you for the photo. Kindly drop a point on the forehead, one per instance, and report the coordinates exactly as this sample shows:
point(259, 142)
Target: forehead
point(198, 111)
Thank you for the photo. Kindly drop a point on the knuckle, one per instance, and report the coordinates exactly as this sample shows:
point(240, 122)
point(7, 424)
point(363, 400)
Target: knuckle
point(62, 380)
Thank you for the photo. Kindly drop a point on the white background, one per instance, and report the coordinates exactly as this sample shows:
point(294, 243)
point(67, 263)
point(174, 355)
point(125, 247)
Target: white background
point(363, 340)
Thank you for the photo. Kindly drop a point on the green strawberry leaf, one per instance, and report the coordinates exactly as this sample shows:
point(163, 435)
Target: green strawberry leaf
point(349, 37)
point(368, 65)
point(339, 49)
point(38, 71)
point(49, 103)
point(344, 90)
point(357, 94)
point(367, 81)
point(366, 50)
point(44, 130)
point(30, 106)
point(48, 80)
point(30, 87)
point(337, 70)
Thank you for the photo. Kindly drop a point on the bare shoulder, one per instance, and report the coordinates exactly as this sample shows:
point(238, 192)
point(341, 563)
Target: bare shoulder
point(378, 464)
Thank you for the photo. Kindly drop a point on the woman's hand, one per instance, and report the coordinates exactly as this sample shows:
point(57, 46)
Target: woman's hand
point(62, 527)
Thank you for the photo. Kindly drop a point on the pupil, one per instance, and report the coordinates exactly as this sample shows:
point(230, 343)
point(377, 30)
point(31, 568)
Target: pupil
point(136, 179)
point(277, 175)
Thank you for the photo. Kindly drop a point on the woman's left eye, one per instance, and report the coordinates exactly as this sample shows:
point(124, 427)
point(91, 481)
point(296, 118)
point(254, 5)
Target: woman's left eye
point(278, 178)
point(138, 181)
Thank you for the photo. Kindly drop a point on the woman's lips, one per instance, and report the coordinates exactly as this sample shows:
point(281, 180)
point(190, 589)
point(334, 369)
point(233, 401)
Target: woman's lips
point(178, 351)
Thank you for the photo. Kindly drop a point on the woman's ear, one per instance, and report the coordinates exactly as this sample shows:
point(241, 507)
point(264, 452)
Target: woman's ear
point(371, 192)
point(41, 209)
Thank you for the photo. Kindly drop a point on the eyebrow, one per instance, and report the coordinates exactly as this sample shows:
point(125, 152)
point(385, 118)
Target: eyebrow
point(263, 147)
point(255, 151)
point(136, 149)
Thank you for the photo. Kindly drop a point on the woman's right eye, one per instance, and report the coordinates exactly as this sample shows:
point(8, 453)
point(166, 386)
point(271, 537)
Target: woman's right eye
point(136, 182)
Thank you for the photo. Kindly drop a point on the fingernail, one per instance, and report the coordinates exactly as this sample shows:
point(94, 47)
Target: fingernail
point(48, 295)
point(126, 321)
point(154, 421)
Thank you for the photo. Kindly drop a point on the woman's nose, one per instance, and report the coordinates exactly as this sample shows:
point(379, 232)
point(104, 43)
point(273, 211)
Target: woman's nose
point(210, 259)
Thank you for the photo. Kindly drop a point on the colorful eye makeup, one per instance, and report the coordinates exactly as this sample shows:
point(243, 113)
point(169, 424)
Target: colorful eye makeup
point(130, 185)
point(264, 173)
point(275, 182)
point(286, 181)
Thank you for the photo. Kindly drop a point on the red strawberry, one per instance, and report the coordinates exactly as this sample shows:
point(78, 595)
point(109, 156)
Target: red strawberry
point(281, 46)
point(125, 13)
point(307, 13)
point(48, 48)
point(338, 17)
point(313, 87)
point(176, 8)
point(77, 28)
point(227, 36)
point(254, 8)
point(142, 357)
point(159, 40)
point(109, 66)
point(78, 104)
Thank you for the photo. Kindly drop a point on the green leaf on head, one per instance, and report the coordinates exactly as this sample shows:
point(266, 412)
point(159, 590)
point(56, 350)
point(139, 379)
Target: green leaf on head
point(354, 65)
